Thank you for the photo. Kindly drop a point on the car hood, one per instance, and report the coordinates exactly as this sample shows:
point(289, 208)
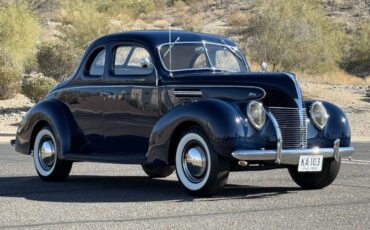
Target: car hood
point(280, 89)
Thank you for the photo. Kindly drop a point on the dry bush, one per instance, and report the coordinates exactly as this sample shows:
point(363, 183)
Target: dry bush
point(19, 34)
point(194, 23)
point(56, 60)
point(37, 87)
point(338, 77)
point(294, 35)
point(239, 19)
point(10, 82)
point(357, 60)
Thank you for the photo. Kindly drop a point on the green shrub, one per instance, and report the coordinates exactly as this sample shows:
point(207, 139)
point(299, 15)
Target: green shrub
point(56, 60)
point(81, 23)
point(37, 87)
point(10, 81)
point(19, 34)
point(294, 35)
point(357, 60)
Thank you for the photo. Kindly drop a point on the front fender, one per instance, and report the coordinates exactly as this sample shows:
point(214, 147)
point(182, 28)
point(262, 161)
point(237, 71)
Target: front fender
point(219, 119)
point(337, 127)
point(55, 114)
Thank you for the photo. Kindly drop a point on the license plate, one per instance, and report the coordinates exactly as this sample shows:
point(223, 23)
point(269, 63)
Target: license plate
point(310, 163)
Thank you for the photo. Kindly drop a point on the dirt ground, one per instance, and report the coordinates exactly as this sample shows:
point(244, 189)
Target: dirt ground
point(354, 100)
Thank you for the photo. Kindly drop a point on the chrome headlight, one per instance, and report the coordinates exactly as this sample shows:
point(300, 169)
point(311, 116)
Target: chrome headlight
point(319, 115)
point(256, 114)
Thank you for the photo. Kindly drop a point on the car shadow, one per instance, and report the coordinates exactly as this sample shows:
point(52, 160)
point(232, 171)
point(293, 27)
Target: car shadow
point(82, 189)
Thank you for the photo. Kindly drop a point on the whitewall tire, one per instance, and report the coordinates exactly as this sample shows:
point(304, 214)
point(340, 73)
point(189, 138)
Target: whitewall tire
point(199, 169)
point(45, 157)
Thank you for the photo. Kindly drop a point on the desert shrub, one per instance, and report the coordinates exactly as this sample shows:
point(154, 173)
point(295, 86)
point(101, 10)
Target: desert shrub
point(81, 22)
point(238, 19)
point(19, 33)
point(357, 60)
point(56, 60)
point(193, 23)
point(37, 87)
point(294, 35)
point(133, 7)
point(10, 82)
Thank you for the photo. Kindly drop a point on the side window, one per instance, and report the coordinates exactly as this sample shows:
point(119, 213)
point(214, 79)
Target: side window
point(226, 60)
point(97, 65)
point(128, 61)
point(200, 62)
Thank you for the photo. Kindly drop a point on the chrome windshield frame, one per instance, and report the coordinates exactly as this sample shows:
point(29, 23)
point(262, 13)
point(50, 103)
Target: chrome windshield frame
point(203, 43)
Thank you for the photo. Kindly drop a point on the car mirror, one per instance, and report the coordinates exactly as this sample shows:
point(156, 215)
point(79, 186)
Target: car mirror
point(145, 62)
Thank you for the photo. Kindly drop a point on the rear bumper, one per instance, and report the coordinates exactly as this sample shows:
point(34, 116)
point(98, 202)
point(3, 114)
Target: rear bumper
point(291, 156)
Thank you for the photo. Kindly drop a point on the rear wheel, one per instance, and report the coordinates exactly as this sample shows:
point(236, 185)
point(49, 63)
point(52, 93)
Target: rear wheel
point(45, 157)
point(316, 180)
point(199, 169)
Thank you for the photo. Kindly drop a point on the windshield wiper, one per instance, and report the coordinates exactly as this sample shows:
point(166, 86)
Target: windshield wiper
point(169, 49)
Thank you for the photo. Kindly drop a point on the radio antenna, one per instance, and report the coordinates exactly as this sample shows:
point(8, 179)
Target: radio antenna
point(170, 46)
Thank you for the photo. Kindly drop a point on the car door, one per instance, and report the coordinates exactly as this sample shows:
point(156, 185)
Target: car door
point(130, 101)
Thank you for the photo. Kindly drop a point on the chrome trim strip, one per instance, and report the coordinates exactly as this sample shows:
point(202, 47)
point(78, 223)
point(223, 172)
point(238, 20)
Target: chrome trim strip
point(279, 142)
point(291, 156)
point(174, 86)
point(219, 86)
point(187, 93)
point(100, 86)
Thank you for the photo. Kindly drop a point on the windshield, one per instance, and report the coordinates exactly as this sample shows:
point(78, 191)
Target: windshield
point(181, 56)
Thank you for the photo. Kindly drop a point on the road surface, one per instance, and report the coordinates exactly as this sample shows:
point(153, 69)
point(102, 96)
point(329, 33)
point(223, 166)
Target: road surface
point(109, 196)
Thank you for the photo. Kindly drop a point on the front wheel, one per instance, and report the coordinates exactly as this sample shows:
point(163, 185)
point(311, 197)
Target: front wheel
point(45, 157)
point(316, 180)
point(199, 169)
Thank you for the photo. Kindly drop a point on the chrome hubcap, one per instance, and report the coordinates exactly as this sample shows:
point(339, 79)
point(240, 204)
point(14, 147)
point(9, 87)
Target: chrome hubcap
point(194, 163)
point(47, 154)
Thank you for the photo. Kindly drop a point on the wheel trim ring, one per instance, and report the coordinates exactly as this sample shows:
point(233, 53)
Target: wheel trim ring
point(194, 151)
point(42, 134)
point(44, 153)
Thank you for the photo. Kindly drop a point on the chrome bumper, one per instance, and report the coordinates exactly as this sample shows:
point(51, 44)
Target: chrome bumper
point(291, 156)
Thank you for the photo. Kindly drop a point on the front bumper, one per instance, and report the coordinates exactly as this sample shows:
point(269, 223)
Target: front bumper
point(291, 156)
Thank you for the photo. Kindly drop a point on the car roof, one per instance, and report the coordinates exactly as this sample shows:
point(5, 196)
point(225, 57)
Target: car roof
point(158, 37)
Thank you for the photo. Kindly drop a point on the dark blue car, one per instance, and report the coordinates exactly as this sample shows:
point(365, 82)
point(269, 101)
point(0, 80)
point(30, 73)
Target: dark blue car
point(187, 102)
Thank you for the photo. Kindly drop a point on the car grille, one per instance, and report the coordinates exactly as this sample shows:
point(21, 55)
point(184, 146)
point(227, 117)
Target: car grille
point(293, 131)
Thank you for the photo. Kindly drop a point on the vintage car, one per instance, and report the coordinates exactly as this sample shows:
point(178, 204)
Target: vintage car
point(184, 101)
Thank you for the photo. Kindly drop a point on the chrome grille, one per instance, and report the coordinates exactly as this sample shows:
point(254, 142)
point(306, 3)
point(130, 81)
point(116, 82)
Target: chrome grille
point(293, 129)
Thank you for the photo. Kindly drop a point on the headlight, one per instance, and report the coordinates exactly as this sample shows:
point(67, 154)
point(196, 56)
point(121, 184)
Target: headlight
point(256, 114)
point(319, 115)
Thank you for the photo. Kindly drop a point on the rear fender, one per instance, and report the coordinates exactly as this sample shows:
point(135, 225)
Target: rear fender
point(55, 114)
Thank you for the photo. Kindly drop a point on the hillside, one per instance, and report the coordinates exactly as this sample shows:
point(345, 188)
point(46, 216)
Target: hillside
point(223, 17)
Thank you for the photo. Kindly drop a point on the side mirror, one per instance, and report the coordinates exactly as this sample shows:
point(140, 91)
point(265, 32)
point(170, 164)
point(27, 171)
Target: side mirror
point(264, 66)
point(145, 62)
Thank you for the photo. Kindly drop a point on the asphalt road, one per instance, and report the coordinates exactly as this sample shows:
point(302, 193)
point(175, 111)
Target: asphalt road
point(108, 196)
